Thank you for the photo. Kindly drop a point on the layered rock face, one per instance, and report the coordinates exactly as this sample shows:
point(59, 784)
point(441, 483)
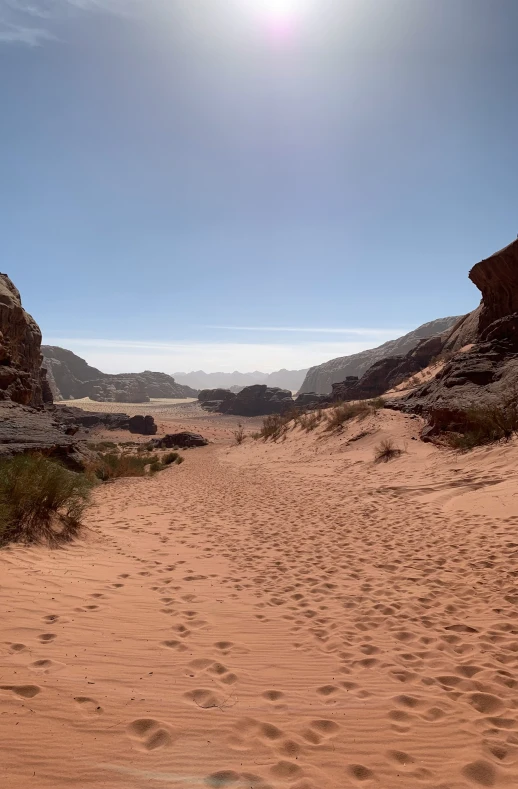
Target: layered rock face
point(485, 373)
point(21, 377)
point(390, 372)
point(320, 379)
point(73, 378)
point(497, 279)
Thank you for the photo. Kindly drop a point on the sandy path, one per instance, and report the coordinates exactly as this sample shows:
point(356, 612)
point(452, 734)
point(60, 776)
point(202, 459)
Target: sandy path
point(261, 617)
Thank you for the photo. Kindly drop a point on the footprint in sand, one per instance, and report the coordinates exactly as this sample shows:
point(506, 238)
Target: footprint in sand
point(88, 706)
point(149, 734)
point(25, 691)
point(174, 644)
point(16, 647)
point(46, 666)
point(46, 638)
point(209, 699)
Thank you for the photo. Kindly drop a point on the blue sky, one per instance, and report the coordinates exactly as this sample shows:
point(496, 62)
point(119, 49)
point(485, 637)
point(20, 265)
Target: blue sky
point(173, 167)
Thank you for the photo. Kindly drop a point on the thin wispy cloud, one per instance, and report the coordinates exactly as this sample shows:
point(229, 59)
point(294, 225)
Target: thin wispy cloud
point(32, 23)
point(315, 330)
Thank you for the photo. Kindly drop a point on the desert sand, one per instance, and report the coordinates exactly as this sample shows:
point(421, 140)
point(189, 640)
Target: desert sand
point(285, 615)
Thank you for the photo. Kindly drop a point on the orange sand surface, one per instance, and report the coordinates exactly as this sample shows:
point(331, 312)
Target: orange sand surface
point(285, 615)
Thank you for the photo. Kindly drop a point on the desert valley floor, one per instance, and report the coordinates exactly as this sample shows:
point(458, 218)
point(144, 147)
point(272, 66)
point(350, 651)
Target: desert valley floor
point(286, 615)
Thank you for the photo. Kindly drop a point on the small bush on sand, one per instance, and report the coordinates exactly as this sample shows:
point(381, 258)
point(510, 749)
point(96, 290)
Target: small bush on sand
point(343, 412)
point(40, 499)
point(101, 446)
point(239, 434)
point(485, 425)
point(172, 457)
point(114, 466)
point(273, 427)
point(376, 404)
point(310, 420)
point(386, 451)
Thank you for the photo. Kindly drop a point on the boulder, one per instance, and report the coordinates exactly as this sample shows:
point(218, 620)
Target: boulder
point(143, 425)
point(180, 441)
point(310, 400)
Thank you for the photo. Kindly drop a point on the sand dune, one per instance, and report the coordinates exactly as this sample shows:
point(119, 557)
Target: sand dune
point(287, 615)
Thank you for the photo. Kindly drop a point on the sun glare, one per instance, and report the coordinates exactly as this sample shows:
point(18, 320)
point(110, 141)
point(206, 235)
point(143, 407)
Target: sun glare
point(280, 17)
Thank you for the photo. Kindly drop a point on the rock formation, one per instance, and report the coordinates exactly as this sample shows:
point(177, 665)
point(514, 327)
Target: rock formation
point(72, 377)
point(389, 372)
point(21, 377)
point(258, 400)
point(484, 372)
point(182, 440)
point(321, 378)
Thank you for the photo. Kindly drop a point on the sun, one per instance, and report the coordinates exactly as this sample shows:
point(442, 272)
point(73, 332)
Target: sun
point(280, 17)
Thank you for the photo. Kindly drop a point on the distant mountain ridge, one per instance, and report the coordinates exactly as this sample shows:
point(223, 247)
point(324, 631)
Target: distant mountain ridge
point(71, 377)
point(320, 378)
point(284, 379)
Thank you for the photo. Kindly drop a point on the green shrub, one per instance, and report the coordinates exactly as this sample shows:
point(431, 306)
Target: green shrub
point(40, 499)
point(480, 425)
point(239, 434)
point(179, 460)
point(155, 466)
point(376, 404)
point(344, 412)
point(274, 426)
point(386, 451)
point(171, 457)
point(114, 466)
point(310, 420)
point(100, 446)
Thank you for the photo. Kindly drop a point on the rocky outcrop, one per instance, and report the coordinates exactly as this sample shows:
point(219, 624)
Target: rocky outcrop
point(222, 395)
point(24, 429)
point(258, 400)
point(21, 377)
point(73, 378)
point(143, 425)
point(182, 440)
point(69, 417)
point(497, 279)
point(388, 373)
point(321, 378)
point(485, 373)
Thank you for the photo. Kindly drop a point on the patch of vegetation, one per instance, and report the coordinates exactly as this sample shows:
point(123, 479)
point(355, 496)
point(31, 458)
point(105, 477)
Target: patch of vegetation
point(172, 457)
point(40, 500)
point(376, 404)
point(114, 466)
point(344, 412)
point(386, 451)
point(101, 446)
point(274, 426)
point(239, 434)
point(310, 420)
point(481, 425)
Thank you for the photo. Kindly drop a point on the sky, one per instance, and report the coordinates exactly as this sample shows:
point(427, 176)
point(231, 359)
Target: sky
point(252, 184)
